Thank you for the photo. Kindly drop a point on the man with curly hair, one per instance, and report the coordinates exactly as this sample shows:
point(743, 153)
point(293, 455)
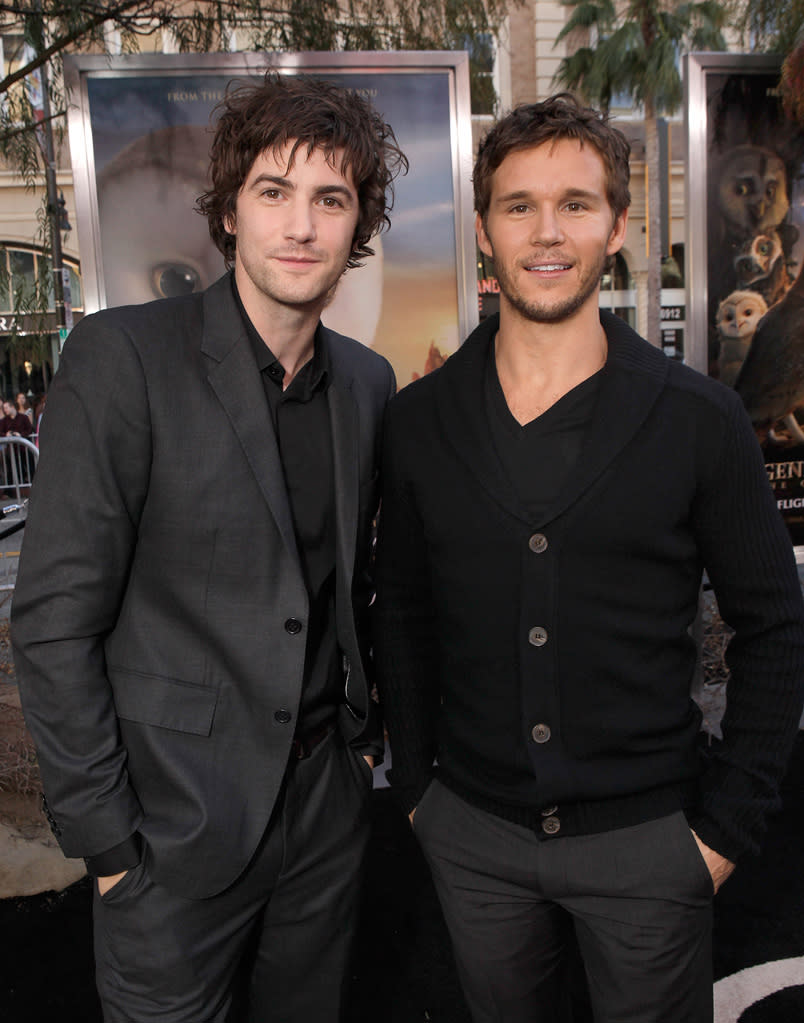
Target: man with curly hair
point(189, 621)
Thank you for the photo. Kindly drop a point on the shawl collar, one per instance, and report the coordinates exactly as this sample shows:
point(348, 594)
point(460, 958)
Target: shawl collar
point(632, 380)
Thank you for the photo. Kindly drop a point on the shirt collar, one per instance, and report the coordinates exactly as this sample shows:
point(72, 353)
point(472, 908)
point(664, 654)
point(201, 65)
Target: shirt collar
point(313, 375)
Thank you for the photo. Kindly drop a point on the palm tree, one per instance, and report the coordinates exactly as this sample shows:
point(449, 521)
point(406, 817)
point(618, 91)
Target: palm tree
point(635, 48)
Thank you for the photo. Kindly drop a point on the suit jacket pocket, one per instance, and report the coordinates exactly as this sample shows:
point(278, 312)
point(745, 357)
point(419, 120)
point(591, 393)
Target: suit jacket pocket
point(164, 702)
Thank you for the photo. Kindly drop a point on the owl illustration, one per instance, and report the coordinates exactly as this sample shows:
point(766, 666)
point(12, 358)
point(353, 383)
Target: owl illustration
point(760, 265)
point(752, 191)
point(737, 318)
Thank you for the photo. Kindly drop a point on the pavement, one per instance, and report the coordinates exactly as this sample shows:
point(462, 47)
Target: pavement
point(30, 859)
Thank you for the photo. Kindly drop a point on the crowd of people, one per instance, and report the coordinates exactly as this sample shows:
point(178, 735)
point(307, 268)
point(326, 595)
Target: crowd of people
point(22, 416)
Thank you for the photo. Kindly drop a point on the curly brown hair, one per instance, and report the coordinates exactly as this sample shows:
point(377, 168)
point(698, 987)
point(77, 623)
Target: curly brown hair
point(559, 117)
point(307, 113)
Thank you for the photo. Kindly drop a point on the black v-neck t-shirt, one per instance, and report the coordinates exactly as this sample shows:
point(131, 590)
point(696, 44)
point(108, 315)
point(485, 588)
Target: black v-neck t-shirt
point(539, 457)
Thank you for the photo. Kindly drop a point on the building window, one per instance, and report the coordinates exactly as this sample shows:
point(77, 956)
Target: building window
point(481, 72)
point(14, 55)
point(20, 270)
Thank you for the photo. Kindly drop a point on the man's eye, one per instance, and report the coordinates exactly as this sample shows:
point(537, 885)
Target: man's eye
point(170, 280)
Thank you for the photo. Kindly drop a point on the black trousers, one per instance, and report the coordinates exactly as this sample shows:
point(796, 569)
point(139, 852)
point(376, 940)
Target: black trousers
point(640, 899)
point(274, 947)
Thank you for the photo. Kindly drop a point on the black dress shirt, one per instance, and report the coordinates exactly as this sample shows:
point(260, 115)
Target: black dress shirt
point(300, 415)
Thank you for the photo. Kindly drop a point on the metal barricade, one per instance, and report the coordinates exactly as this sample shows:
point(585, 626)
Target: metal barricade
point(18, 458)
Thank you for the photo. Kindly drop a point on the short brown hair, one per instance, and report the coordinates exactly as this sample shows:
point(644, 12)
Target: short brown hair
point(559, 117)
point(310, 113)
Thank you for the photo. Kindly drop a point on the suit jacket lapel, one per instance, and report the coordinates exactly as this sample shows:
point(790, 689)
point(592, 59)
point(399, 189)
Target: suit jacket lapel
point(344, 417)
point(234, 378)
point(344, 422)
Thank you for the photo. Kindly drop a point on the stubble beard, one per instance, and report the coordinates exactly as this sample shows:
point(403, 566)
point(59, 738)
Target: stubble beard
point(301, 296)
point(540, 312)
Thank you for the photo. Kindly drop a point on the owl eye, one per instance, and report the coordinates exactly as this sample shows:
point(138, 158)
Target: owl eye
point(170, 280)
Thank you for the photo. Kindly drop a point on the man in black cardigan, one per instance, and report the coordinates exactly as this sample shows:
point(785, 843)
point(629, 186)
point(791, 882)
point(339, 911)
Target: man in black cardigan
point(552, 496)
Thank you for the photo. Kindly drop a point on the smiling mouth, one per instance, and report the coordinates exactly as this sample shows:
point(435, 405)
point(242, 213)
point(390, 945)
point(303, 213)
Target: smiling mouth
point(547, 267)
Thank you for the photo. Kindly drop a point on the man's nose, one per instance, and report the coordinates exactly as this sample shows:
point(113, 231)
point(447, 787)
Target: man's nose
point(300, 225)
point(546, 228)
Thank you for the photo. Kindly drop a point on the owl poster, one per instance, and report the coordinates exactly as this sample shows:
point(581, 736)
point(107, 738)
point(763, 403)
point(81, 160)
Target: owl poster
point(750, 322)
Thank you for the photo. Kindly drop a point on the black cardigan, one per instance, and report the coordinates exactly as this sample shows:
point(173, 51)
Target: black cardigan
point(548, 663)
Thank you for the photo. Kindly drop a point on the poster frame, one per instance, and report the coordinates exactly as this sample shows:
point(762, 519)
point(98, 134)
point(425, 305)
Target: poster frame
point(697, 67)
point(79, 69)
point(786, 462)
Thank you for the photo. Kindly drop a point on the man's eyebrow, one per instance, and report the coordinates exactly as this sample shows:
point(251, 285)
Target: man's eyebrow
point(272, 179)
point(511, 196)
point(337, 189)
point(521, 194)
point(280, 182)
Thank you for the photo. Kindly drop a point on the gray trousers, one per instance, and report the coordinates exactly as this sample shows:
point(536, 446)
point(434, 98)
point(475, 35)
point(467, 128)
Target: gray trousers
point(274, 947)
point(640, 899)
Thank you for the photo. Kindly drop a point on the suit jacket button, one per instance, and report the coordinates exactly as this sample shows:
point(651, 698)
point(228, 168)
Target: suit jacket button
point(551, 825)
point(282, 717)
point(293, 626)
point(541, 733)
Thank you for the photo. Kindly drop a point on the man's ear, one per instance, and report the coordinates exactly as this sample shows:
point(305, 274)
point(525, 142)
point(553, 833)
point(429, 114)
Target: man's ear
point(230, 223)
point(482, 238)
point(617, 236)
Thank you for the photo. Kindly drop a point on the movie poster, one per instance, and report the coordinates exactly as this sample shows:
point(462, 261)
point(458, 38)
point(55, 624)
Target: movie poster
point(140, 132)
point(751, 319)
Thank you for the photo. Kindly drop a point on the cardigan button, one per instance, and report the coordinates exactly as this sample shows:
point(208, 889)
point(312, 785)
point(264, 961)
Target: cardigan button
point(282, 716)
point(538, 543)
point(551, 825)
point(537, 636)
point(541, 733)
point(293, 626)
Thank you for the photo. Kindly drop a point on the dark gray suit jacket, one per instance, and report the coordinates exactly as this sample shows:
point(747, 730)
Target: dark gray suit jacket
point(151, 621)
